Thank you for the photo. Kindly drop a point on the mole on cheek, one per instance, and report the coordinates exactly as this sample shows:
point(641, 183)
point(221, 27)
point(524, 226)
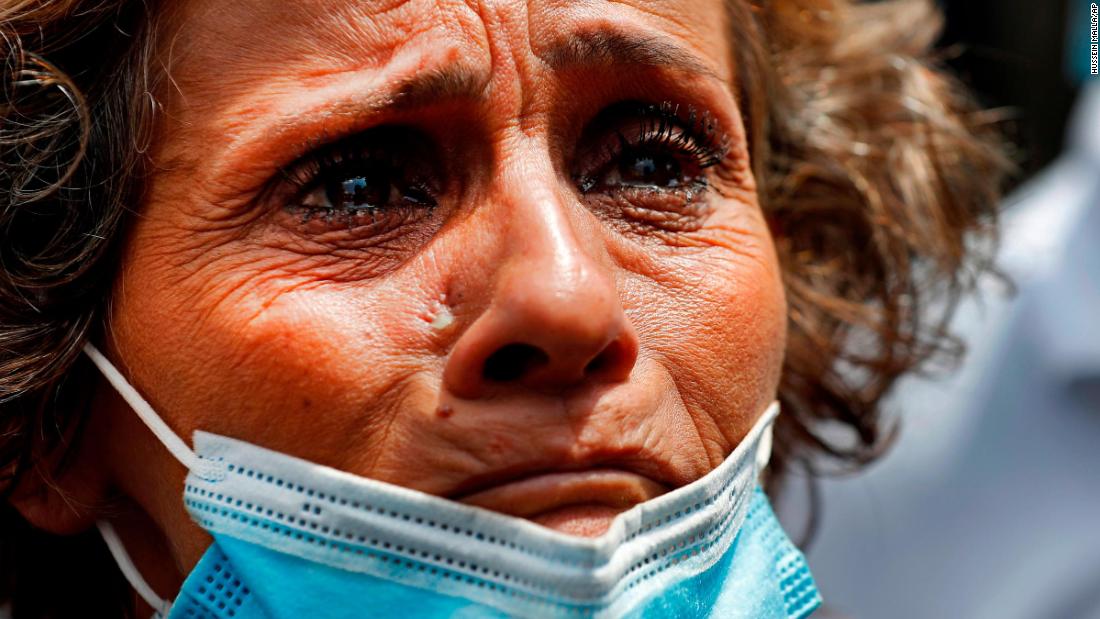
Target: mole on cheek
point(444, 411)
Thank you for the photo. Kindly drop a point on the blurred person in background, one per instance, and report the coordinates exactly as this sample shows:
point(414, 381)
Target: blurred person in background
point(987, 507)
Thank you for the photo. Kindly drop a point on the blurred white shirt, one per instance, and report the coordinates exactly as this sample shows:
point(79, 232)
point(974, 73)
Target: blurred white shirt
point(989, 504)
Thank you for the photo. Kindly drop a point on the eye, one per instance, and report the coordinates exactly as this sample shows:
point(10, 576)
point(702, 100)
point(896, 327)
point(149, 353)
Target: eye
point(365, 186)
point(646, 167)
point(639, 145)
point(384, 177)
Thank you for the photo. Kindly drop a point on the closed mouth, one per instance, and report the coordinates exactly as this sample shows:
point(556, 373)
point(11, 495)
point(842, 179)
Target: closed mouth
point(590, 491)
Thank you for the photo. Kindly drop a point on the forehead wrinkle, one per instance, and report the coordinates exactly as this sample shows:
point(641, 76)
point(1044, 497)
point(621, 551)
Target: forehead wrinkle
point(610, 47)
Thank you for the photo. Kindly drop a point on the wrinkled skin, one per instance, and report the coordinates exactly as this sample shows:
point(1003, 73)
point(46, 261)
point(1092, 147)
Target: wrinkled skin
point(650, 348)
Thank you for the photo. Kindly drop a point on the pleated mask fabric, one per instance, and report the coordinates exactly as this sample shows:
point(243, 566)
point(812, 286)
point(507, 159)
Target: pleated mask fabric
point(296, 539)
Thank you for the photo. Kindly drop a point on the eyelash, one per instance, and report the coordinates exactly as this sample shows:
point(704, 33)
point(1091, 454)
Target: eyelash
point(398, 155)
point(338, 162)
point(694, 136)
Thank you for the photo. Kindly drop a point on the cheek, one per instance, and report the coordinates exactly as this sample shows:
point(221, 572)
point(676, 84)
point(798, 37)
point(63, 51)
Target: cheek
point(279, 355)
point(716, 316)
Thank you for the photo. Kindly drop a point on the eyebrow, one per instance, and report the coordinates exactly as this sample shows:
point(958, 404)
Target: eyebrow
point(607, 47)
point(448, 83)
point(595, 48)
point(602, 47)
point(441, 84)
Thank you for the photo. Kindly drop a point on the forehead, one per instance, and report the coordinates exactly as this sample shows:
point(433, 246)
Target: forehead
point(217, 41)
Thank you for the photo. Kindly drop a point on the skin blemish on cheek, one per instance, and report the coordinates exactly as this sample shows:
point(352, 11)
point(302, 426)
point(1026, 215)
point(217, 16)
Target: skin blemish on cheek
point(444, 411)
point(439, 316)
point(443, 319)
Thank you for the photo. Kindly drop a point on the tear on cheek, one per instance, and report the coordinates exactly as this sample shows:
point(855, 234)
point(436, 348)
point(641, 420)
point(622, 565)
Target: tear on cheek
point(442, 320)
point(438, 315)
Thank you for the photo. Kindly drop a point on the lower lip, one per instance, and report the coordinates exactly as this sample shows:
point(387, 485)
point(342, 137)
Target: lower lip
point(590, 520)
point(579, 503)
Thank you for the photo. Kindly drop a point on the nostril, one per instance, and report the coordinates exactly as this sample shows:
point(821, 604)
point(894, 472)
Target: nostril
point(596, 364)
point(613, 363)
point(513, 361)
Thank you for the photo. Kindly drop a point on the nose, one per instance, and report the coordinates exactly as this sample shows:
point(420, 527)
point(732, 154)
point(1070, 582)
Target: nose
point(555, 320)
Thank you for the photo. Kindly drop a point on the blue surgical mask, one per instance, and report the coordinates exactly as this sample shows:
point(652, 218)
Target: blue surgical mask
point(296, 539)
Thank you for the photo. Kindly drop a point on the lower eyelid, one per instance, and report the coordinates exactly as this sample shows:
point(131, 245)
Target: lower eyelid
point(382, 224)
point(679, 210)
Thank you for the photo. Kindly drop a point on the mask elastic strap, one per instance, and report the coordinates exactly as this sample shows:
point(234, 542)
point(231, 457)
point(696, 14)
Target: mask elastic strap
point(764, 448)
point(130, 571)
point(173, 443)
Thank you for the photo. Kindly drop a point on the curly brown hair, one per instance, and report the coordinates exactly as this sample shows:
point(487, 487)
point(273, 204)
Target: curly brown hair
point(878, 173)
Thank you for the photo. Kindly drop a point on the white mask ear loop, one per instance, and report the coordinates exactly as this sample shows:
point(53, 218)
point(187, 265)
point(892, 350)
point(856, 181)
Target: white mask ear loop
point(130, 571)
point(174, 444)
point(764, 449)
point(206, 469)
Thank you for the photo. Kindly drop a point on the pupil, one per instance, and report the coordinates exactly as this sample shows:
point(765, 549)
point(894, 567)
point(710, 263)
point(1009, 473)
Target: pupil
point(654, 169)
point(356, 192)
point(644, 167)
point(354, 185)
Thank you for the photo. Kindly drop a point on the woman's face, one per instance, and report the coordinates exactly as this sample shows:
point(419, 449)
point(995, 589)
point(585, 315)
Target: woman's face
point(503, 252)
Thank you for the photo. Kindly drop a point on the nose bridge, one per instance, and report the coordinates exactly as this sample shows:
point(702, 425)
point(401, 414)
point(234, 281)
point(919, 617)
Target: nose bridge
point(556, 269)
point(546, 232)
point(555, 319)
